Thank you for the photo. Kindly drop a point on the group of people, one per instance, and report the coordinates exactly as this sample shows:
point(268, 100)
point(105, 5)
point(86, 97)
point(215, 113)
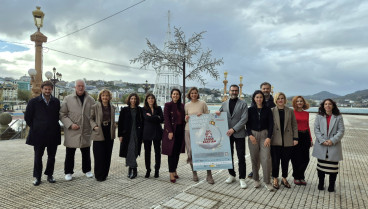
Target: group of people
point(276, 134)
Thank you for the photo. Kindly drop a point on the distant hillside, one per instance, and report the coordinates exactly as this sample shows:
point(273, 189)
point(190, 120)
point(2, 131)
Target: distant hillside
point(356, 96)
point(322, 95)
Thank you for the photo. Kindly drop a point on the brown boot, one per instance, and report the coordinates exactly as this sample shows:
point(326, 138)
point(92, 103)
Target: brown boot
point(195, 176)
point(209, 177)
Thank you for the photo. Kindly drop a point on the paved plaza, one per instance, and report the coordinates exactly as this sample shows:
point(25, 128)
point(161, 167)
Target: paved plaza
point(17, 190)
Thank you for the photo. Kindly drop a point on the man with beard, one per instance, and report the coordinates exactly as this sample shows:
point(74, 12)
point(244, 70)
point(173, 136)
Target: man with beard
point(237, 116)
point(42, 116)
point(266, 90)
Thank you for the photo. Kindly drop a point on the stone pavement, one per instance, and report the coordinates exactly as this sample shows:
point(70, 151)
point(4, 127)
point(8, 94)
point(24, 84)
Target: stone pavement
point(17, 191)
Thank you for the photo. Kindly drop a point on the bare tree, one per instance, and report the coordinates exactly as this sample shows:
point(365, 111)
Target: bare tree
point(179, 54)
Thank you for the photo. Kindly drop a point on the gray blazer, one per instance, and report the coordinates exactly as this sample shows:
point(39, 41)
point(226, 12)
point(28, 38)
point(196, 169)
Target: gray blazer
point(239, 118)
point(335, 134)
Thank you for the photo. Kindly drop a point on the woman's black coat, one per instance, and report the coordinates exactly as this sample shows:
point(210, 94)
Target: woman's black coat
point(125, 127)
point(43, 121)
point(152, 124)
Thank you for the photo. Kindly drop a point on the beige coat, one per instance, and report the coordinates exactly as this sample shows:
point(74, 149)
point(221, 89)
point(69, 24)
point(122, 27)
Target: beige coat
point(96, 120)
point(290, 128)
point(72, 111)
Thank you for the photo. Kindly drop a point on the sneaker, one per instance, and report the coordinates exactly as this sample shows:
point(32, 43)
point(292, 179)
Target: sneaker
point(243, 185)
point(250, 175)
point(68, 177)
point(269, 187)
point(230, 179)
point(257, 184)
point(89, 174)
point(303, 182)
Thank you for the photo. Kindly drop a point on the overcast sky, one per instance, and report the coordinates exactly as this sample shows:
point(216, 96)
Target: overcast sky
point(300, 47)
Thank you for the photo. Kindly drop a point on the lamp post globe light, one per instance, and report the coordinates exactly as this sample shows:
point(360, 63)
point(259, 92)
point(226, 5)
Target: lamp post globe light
point(53, 77)
point(38, 38)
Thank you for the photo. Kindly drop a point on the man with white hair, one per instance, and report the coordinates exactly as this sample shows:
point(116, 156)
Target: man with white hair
point(74, 114)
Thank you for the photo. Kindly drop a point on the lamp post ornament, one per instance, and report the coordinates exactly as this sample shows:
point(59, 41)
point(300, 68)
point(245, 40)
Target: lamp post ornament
point(224, 98)
point(241, 96)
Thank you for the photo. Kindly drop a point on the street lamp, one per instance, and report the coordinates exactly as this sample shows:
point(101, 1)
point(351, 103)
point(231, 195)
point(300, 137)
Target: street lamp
point(53, 77)
point(241, 88)
point(225, 95)
point(38, 38)
point(146, 87)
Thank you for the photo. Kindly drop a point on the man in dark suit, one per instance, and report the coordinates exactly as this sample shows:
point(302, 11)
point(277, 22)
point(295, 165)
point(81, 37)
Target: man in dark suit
point(42, 116)
point(237, 116)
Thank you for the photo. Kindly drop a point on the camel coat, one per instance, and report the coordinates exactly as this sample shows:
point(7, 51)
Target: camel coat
point(72, 111)
point(290, 128)
point(96, 120)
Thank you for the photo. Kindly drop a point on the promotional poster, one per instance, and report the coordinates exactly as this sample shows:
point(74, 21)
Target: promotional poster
point(209, 142)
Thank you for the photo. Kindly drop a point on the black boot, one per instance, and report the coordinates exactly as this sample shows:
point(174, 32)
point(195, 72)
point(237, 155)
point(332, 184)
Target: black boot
point(321, 177)
point(135, 173)
point(148, 172)
point(331, 186)
point(156, 173)
point(130, 172)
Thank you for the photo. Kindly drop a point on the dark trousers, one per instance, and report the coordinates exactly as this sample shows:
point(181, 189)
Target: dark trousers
point(102, 153)
point(240, 151)
point(173, 159)
point(300, 155)
point(283, 154)
point(37, 166)
point(69, 160)
point(147, 153)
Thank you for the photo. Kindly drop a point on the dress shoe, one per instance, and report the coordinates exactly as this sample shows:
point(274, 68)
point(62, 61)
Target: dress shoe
point(209, 178)
point(176, 175)
point(297, 182)
point(172, 178)
point(148, 173)
point(257, 184)
point(243, 185)
point(135, 173)
point(285, 183)
point(303, 182)
point(51, 179)
point(130, 172)
point(230, 179)
point(68, 176)
point(89, 174)
point(156, 173)
point(37, 182)
point(100, 179)
point(195, 176)
point(275, 183)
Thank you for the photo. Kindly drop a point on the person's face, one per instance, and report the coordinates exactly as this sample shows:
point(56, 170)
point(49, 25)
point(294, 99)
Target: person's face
point(328, 106)
point(150, 100)
point(299, 103)
point(105, 97)
point(234, 92)
point(266, 89)
point(79, 88)
point(175, 96)
point(46, 91)
point(133, 101)
point(194, 95)
point(258, 99)
point(280, 100)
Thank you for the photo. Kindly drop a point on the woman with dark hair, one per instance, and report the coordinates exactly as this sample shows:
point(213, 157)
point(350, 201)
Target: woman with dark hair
point(152, 132)
point(103, 133)
point(260, 128)
point(329, 129)
point(173, 136)
point(300, 156)
point(285, 136)
point(195, 107)
point(130, 128)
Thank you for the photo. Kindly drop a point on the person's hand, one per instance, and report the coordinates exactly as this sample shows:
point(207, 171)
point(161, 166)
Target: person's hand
point(187, 118)
point(171, 135)
point(121, 139)
point(311, 144)
point(295, 142)
point(230, 132)
point(148, 114)
point(253, 139)
point(75, 126)
point(95, 128)
point(218, 113)
point(267, 142)
point(329, 142)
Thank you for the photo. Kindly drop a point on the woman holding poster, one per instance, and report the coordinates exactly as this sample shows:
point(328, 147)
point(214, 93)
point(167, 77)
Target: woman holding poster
point(194, 107)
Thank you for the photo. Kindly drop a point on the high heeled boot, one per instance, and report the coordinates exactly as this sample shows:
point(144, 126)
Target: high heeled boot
point(321, 178)
point(332, 180)
point(195, 176)
point(135, 173)
point(130, 172)
point(209, 177)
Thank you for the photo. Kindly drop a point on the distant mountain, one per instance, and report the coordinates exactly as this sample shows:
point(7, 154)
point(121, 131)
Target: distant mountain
point(322, 95)
point(356, 96)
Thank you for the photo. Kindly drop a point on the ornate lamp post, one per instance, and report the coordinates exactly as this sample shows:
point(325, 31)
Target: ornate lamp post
point(224, 96)
point(146, 87)
point(272, 90)
point(38, 38)
point(241, 88)
point(53, 77)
